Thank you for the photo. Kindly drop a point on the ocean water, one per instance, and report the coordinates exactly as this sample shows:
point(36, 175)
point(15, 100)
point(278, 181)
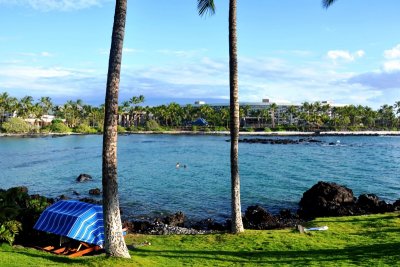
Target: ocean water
point(274, 176)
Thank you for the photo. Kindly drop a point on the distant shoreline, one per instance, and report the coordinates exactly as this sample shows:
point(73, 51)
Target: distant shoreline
point(225, 133)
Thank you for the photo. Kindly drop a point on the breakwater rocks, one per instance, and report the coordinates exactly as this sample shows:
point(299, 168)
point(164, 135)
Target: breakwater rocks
point(322, 199)
point(330, 199)
point(278, 141)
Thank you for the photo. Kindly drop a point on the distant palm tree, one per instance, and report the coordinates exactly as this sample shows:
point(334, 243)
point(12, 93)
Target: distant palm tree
point(46, 104)
point(204, 7)
point(272, 109)
point(114, 240)
point(25, 106)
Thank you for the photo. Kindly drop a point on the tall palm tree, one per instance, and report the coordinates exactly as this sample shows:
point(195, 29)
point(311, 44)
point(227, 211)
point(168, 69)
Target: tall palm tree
point(46, 104)
point(114, 240)
point(25, 107)
point(205, 6)
point(272, 109)
point(136, 111)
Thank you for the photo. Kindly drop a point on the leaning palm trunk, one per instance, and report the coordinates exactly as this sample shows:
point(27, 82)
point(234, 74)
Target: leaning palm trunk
point(114, 240)
point(237, 224)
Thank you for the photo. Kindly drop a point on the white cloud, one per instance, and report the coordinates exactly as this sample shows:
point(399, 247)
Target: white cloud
point(391, 65)
point(41, 54)
point(50, 5)
point(182, 53)
point(46, 54)
point(54, 82)
point(205, 77)
point(392, 53)
point(344, 55)
point(130, 50)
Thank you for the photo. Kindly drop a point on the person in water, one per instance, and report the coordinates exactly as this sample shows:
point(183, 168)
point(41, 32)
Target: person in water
point(177, 165)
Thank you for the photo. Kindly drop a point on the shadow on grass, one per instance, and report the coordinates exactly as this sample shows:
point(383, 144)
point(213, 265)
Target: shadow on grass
point(352, 219)
point(52, 257)
point(387, 252)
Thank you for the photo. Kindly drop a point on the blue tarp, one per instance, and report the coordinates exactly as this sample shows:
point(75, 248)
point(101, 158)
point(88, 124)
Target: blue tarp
point(200, 122)
point(74, 219)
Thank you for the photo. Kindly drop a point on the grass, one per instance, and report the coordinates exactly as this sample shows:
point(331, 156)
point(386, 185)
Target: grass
point(372, 240)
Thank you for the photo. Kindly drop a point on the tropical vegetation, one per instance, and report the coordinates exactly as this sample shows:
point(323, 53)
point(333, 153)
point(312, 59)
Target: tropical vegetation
point(76, 116)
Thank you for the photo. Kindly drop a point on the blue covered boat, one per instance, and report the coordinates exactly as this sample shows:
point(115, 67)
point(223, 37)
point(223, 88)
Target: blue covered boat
point(74, 219)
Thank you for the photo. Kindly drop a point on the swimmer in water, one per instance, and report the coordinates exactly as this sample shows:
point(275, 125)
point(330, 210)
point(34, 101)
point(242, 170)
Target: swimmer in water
point(177, 165)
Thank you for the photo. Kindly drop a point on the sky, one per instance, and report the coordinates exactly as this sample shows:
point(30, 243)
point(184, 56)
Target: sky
point(288, 51)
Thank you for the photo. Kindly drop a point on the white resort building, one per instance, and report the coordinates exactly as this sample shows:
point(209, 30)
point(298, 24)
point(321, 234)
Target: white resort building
point(280, 112)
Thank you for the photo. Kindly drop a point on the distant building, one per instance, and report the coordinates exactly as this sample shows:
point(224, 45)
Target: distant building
point(280, 113)
point(42, 121)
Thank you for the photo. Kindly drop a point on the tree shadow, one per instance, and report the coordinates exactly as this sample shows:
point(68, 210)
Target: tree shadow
point(301, 257)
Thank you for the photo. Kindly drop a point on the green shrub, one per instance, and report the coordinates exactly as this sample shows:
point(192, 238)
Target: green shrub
point(249, 129)
point(16, 125)
point(84, 128)
point(45, 130)
point(267, 129)
point(220, 128)
point(59, 127)
point(152, 125)
point(121, 129)
point(195, 128)
point(9, 229)
point(135, 128)
point(100, 128)
point(56, 121)
point(18, 213)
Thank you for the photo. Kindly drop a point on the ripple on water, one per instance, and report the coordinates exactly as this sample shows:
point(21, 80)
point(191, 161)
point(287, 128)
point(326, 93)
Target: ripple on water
point(274, 176)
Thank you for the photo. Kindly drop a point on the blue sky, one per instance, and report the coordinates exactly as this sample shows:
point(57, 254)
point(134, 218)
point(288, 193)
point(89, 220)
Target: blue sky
point(289, 51)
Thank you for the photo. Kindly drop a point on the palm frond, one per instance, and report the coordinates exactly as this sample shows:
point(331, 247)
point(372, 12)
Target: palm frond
point(327, 3)
point(206, 7)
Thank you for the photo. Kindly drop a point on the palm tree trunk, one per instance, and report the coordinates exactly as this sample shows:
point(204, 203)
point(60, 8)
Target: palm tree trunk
point(237, 224)
point(114, 240)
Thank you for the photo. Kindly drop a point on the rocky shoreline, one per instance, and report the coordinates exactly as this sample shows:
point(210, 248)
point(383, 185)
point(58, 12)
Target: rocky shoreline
point(324, 199)
point(223, 133)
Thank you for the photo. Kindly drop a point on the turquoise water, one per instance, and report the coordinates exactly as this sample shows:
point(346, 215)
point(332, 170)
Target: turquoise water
point(274, 176)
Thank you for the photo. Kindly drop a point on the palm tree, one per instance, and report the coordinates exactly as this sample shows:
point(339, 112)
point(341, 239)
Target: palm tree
point(114, 240)
point(205, 6)
point(135, 112)
point(272, 109)
point(25, 107)
point(327, 3)
point(46, 104)
point(292, 111)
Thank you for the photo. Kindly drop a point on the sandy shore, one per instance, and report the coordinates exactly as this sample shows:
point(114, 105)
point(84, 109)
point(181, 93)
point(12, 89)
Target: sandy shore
point(225, 133)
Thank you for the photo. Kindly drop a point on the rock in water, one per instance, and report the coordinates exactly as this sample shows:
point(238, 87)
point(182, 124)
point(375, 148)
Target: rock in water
point(178, 219)
point(256, 217)
point(95, 191)
point(326, 199)
point(83, 177)
point(371, 203)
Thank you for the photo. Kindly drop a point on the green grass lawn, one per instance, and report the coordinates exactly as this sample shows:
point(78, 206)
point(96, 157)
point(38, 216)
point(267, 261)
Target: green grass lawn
point(350, 241)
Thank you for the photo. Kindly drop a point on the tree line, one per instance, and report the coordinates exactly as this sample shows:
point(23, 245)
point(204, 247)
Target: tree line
point(134, 116)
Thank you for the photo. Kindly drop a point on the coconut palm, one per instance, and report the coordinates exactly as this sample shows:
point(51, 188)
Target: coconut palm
point(46, 104)
point(327, 3)
point(25, 107)
point(204, 7)
point(114, 240)
point(272, 109)
point(135, 111)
